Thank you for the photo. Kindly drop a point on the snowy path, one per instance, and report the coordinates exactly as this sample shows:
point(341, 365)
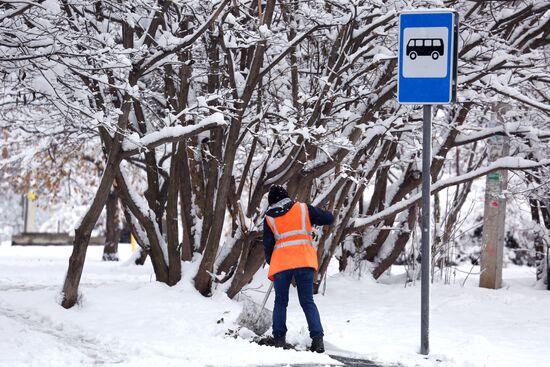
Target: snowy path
point(56, 337)
point(125, 318)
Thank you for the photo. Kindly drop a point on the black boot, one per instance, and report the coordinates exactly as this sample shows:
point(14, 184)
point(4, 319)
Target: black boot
point(317, 344)
point(279, 342)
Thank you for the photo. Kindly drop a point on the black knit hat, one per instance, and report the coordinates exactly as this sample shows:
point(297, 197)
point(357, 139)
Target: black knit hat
point(276, 194)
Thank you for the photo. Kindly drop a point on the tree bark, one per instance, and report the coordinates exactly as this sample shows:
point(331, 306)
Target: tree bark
point(186, 188)
point(252, 258)
point(174, 255)
point(112, 235)
point(399, 245)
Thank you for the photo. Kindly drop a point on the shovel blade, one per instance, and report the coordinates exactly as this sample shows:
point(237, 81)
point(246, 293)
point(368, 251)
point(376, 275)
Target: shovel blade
point(254, 318)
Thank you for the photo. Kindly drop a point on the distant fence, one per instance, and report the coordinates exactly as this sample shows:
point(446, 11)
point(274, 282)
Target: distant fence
point(50, 239)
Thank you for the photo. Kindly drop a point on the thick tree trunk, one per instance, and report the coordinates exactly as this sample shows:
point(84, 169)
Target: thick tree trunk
point(540, 214)
point(150, 227)
point(84, 230)
point(76, 264)
point(252, 258)
point(538, 241)
point(399, 245)
point(186, 188)
point(112, 235)
point(203, 279)
point(174, 255)
point(153, 192)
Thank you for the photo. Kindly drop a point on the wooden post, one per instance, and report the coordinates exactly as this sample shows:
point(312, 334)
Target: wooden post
point(495, 209)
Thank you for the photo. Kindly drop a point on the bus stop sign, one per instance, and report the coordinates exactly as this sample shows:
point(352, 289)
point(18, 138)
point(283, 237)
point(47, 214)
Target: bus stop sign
point(427, 56)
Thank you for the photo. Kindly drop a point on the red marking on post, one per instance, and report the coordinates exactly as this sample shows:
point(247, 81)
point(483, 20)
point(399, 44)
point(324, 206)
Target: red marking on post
point(494, 204)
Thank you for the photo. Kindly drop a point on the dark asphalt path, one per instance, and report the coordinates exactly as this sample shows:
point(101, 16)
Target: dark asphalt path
point(346, 361)
point(355, 362)
point(347, 358)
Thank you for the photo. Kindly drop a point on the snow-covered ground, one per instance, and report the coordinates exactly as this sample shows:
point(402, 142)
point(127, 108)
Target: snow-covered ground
point(128, 319)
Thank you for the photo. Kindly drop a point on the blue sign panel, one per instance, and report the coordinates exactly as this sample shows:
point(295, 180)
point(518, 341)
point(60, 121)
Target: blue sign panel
point(427, 57)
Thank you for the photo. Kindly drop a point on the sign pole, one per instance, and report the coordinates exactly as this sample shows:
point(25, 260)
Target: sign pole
point(426, 246)
point(427, 70)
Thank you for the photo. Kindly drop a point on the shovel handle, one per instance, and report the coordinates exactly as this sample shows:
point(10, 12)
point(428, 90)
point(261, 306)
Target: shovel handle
point(267, 295)
point(264, 302)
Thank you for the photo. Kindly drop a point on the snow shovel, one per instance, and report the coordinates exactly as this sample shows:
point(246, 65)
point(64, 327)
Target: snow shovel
point(255, 317)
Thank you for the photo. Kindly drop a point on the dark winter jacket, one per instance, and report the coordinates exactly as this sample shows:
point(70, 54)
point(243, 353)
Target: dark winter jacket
point(317, 216)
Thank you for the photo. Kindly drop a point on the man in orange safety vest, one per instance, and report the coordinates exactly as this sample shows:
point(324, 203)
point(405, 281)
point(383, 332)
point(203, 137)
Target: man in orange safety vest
point(291, 253)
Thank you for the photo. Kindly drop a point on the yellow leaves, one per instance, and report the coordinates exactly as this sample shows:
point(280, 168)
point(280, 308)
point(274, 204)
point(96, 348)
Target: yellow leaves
point(31, 195)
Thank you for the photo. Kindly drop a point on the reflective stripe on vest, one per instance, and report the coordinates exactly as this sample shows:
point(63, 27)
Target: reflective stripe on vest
point(280, 238)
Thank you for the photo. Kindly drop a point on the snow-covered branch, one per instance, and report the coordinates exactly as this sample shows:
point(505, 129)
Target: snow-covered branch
point(509, 129)
point(186, 41)
point(513, 93)
point(134, 145)
point(502, 163)
point(295, 41)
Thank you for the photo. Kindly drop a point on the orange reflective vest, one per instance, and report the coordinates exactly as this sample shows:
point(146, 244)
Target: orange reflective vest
point(294, 246)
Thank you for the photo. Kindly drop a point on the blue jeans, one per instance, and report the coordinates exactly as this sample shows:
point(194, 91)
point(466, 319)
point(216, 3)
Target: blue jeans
point(304, 282)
